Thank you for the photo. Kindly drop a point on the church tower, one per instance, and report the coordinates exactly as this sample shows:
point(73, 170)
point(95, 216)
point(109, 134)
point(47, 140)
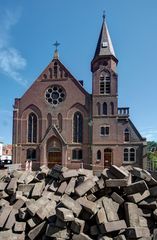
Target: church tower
point(115, 139)
point(104, 97)
point(103, 67)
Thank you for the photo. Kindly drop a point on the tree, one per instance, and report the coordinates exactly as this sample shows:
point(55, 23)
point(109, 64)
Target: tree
point(152, 154)
point(151, 145)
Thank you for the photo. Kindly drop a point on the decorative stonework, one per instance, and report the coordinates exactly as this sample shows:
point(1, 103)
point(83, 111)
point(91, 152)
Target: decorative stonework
point(54, 95)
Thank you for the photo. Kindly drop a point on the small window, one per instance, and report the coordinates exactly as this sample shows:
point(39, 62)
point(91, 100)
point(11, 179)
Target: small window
point(105, 83)
point(126, 135)
point(98, 108)
point(32, 128)
point(102, 77)
point(78, 127)
point(129, 155)
point(112, 108)
point(77, 154)
point(55, 69)
point(74, 154)
point(105, 131)
point(98, 155)
point(126, 155)
point(50, 71)
point(105, 44)
point(31, 154)
point(102, 84)
point(102, 131)
point(132, 155)
point(105, 108)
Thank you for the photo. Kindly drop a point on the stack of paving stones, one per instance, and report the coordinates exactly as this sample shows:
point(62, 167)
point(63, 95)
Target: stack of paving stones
point(59, 203)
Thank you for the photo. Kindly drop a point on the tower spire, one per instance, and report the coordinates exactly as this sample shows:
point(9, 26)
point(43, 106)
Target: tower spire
point(104, 45)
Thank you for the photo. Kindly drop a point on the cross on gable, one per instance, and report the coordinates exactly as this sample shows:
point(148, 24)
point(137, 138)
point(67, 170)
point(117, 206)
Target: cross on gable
point(56, 44)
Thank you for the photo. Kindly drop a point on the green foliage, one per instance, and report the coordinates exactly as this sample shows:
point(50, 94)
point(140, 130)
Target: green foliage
point(151, 145)
point(152, 153)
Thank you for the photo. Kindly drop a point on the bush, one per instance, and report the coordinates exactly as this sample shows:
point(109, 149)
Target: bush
point(152, 156)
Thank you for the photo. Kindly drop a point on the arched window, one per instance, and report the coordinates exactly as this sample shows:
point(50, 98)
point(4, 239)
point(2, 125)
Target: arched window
point(55, 69)
point(78, 128)
point(80, 154)
point(60, 121)
point(132, 154)
point(126, 155)
point(105, 108)
point(50, 71)
point(32, 128)
point(98, 108)
point(105, 83)
point(126, 135)
point(98, 155)
point(77, 154)
point(74, 154)
point(102, 84)
point(112, 108)
point(31, 154)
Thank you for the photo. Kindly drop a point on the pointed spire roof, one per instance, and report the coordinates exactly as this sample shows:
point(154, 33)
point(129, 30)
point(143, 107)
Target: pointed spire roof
point(104, 45)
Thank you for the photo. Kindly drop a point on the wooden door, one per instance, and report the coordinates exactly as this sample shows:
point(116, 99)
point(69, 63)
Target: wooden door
point(54, 158)
point(107, 158)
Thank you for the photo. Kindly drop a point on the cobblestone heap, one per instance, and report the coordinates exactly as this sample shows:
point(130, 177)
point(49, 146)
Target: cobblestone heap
point(119, 204)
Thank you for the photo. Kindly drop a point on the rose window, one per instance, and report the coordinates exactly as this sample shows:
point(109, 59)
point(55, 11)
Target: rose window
point(55, 95)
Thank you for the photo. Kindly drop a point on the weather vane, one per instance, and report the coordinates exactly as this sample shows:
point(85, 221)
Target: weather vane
point(56, 44)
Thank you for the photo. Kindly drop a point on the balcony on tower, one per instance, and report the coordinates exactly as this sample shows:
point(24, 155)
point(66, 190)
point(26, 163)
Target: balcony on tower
point(123, 112)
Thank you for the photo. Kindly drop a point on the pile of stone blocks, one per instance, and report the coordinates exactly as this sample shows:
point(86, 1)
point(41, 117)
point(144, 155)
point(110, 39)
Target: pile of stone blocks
point(60, 203)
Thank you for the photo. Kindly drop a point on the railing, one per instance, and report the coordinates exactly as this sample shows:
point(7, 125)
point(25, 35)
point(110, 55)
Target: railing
point(123, 112)
point(152, 165)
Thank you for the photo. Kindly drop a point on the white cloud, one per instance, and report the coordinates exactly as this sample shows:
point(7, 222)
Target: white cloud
point(11, 60)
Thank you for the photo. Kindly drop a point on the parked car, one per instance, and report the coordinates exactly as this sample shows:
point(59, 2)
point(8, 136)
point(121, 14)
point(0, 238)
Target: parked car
point(4, 162)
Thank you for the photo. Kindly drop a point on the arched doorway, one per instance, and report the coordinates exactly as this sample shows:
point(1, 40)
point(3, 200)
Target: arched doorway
point(108, 154)
point(54, 151)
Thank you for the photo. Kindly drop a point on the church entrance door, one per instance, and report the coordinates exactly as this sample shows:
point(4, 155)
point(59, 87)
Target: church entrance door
point(54, 149)
point(54, 158)
point(107, 157)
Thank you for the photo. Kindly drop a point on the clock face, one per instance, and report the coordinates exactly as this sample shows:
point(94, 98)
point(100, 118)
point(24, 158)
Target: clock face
point(55, 95)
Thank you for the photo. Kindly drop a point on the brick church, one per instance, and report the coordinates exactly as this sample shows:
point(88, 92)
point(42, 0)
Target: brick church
point(57, 121)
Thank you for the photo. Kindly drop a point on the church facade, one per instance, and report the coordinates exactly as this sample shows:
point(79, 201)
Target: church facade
point(57, 121)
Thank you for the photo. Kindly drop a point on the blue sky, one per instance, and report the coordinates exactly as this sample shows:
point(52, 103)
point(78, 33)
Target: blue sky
point(29, 28)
